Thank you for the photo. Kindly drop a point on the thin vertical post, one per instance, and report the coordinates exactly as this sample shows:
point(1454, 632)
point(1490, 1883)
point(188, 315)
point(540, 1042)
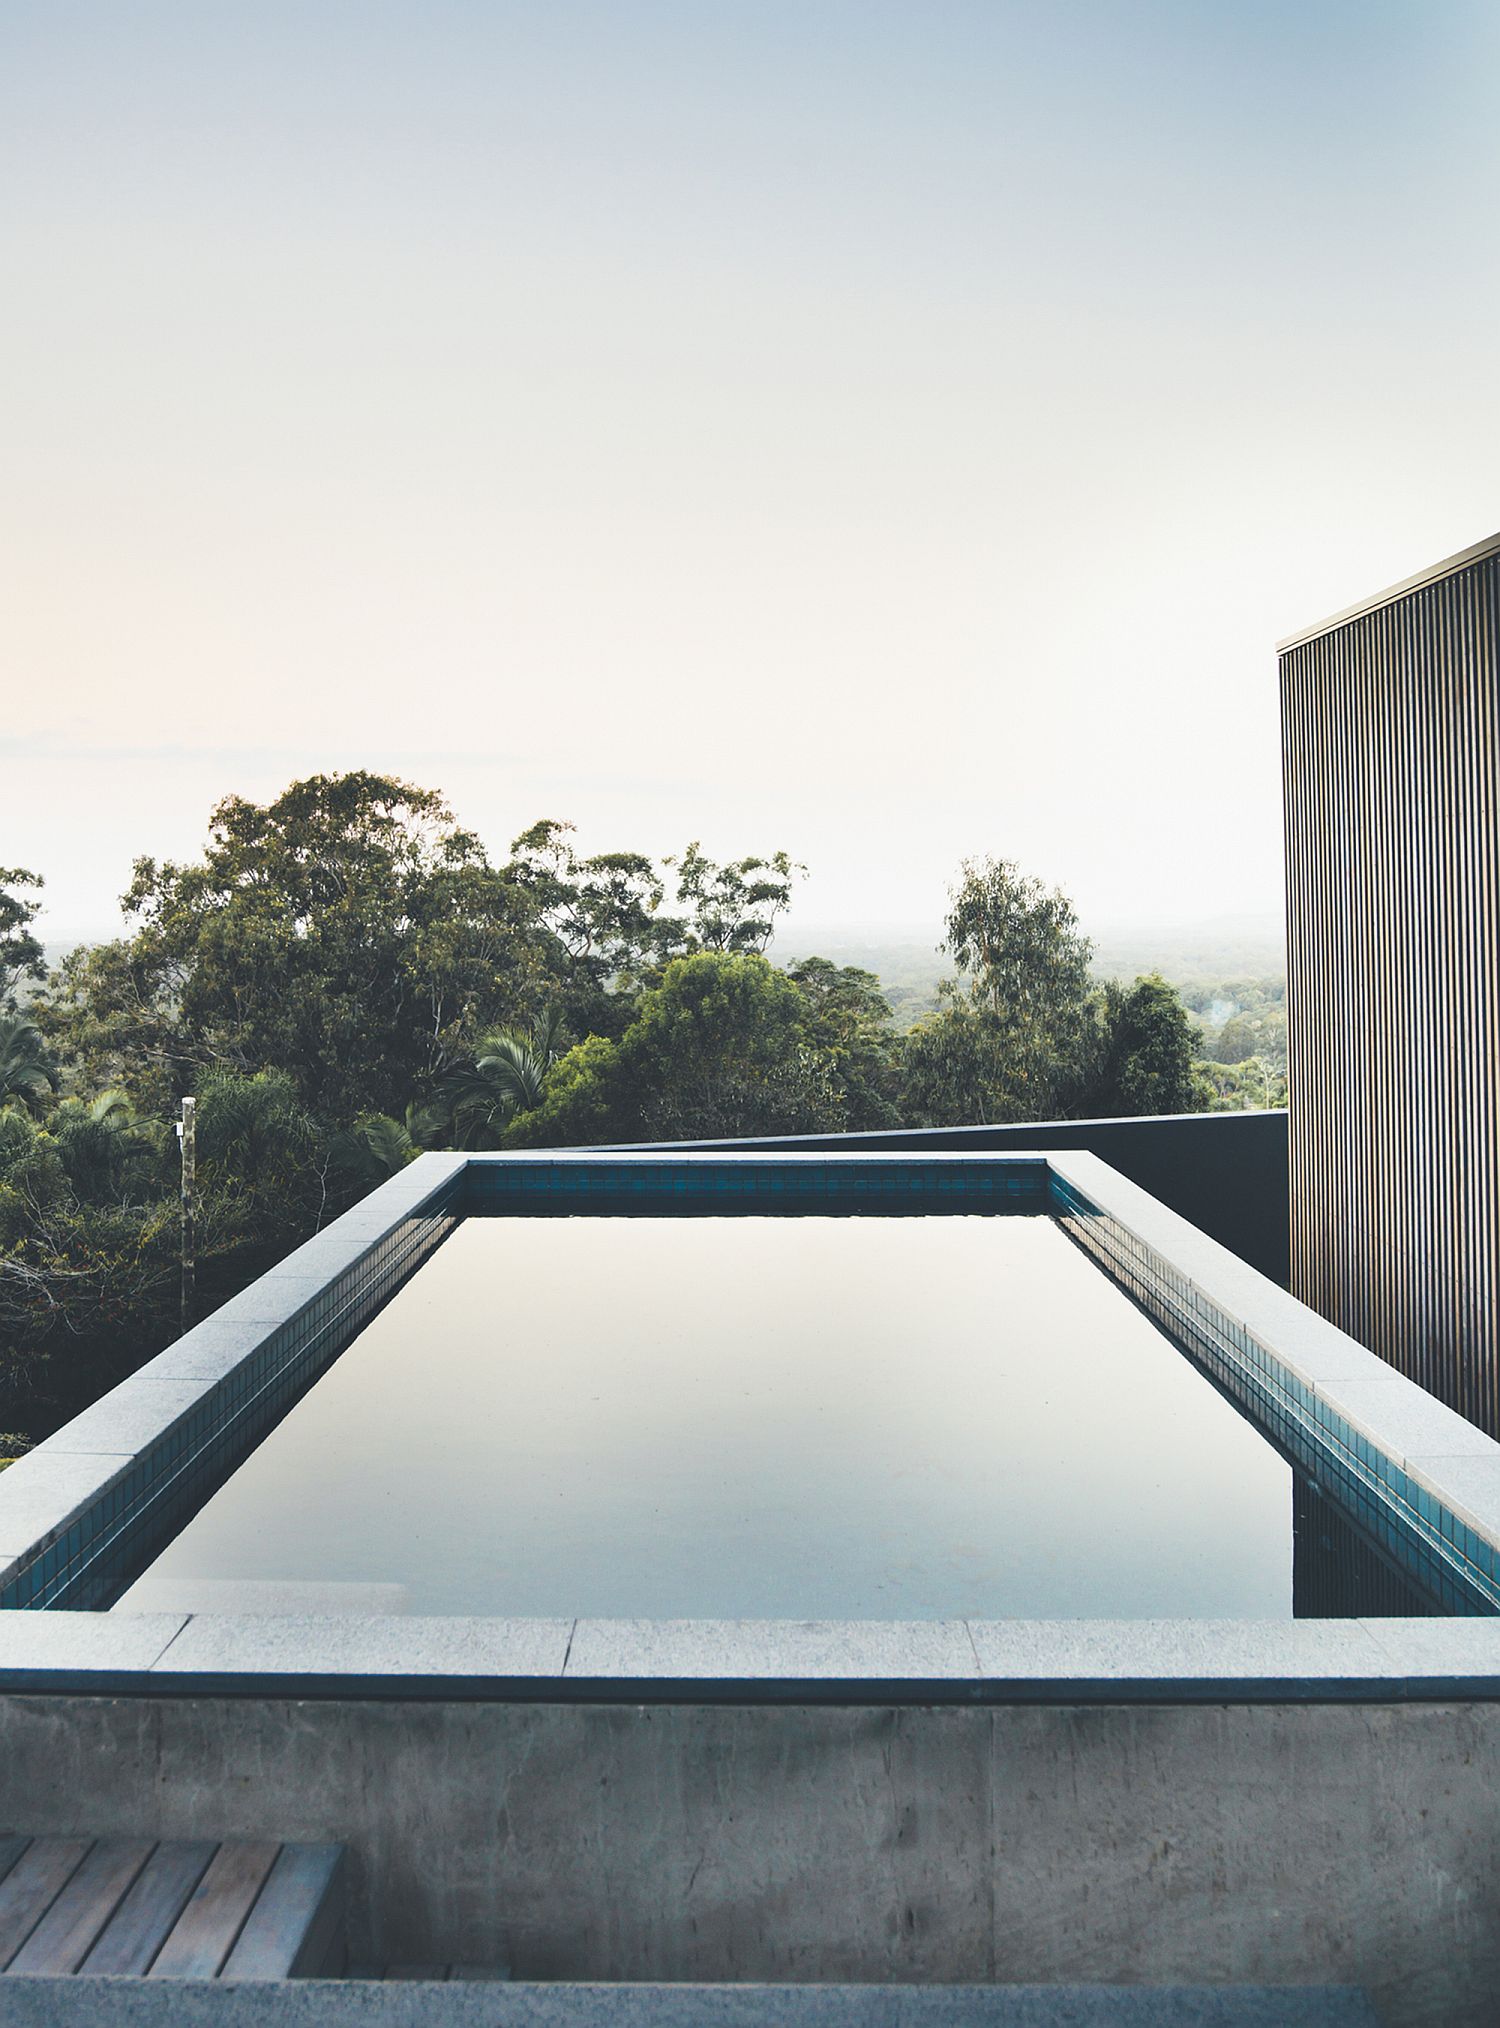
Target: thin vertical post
point(188, 1136)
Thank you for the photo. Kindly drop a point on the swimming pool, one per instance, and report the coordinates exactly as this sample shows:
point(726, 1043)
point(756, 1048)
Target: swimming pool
point(774, 1418)
point(696, 1387)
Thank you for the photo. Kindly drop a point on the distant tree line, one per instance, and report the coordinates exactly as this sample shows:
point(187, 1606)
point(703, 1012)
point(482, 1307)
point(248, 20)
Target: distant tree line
point(346, 977)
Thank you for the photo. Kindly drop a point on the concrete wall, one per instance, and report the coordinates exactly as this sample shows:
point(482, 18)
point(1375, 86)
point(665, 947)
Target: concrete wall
point(1224, 1172)
point(1331, 1843)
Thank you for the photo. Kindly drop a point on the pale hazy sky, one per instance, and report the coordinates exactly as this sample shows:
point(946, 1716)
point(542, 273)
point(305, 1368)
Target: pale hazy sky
point(887, 431)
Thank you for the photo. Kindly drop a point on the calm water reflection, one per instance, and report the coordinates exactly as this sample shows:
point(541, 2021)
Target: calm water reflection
point(753, 1417)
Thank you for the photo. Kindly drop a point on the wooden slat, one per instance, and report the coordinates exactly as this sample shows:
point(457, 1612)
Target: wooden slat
point(32, 1885)
point(1390, 750)
point(10, 1851)
point(298, 1920)
point(206, 1931)
point(144, 1919)
point(62, 1939)
point(416, 1971)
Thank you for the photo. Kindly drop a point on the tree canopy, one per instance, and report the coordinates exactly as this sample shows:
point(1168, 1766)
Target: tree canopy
point(345, 977)
point(21, 953)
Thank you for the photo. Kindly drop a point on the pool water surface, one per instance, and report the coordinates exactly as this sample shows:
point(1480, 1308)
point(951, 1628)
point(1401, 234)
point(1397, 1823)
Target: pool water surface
point(954, 1416)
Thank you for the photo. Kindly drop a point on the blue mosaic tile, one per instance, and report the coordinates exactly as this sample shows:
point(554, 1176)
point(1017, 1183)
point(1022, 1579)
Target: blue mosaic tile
point(171, 1477)
point(1448, 1559)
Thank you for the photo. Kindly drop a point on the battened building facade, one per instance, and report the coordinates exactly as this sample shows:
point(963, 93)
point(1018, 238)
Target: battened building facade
point(1391, 756)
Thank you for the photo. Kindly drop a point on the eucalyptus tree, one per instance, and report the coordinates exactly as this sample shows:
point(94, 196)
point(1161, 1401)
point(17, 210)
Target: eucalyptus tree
point(722, 1046)
point(21, 953)
point(1016, 1036)
point(349, 933)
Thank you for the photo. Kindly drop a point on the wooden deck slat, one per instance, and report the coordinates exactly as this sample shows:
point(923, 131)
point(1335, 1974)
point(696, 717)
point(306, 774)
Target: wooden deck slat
point(206, 1931)
point(32, 1885)
point(62, 1939)
point(297, 1921)
point(144, 1919)
point(10, 1851)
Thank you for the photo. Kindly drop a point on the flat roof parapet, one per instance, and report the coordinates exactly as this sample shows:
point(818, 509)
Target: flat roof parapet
point(1478, 552)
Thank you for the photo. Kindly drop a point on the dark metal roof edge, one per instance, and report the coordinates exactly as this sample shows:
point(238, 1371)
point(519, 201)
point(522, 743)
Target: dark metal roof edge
point(1476, 553)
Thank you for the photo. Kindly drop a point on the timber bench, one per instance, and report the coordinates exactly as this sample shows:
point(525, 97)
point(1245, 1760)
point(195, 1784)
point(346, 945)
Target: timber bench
point(249, 1908)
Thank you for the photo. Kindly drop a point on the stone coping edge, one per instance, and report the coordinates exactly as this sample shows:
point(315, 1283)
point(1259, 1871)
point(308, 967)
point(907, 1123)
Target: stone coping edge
point(766, 1662)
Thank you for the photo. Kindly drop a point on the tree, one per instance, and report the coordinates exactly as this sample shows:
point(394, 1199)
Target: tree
point(108, 1154)
point(610, 914)
point(109, 1012)
point(349, 933)
point(377, 1147)
point(1015, 1037)
point(28, 1076)
point(21, 954)
point(850, 1022)
point(733, 906)
point(719, 1049)
point(508, 1076)
point(1019, 947)
point(1147, 1055)
point(605, 914)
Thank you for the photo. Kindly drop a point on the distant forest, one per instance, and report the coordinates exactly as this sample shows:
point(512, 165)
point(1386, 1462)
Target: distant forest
point(1233, 987)
point(346, 977)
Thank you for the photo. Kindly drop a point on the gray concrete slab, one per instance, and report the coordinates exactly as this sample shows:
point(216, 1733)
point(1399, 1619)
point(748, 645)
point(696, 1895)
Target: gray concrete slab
point(1437, 1654)
point(214, 1347)
point(330, 1645)
point(762, 1650)
point(1138, 1655)
point(1468, 1486)
point(262, 1598)
point(72, 1642)
point(330, 2003)
point(1403, 1420)
point(40, 1494)
point(130, 1416)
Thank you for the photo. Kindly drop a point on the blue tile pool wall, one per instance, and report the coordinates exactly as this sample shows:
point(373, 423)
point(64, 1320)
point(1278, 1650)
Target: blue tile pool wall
point(108, 1543)
point(803, 1186)
point(1451, 1562)
point(106, 1546)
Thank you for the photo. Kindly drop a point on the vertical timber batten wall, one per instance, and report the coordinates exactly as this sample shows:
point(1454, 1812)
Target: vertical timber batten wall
point(1390, 738)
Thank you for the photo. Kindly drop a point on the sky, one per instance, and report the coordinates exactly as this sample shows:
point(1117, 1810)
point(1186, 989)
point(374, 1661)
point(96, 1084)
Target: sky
point(891, 432)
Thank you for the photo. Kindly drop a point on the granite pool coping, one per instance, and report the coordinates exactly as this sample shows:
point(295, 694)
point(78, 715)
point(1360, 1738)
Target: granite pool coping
point(919, 1662)
point(44, 1497)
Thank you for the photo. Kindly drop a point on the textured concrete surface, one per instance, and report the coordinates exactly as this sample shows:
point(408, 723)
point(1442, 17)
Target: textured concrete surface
point(366, 1645)
point(69, 1642)
point(128, 1417)
point(1334, 1652)
point(324, 1640)
point(751, 1650)
point(125, 2003)
point(1150, 1844)
point(40, 1493)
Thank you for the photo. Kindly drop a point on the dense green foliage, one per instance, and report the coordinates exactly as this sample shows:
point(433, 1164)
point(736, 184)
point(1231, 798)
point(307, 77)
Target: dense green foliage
point(21, 955)
point(346, 977)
